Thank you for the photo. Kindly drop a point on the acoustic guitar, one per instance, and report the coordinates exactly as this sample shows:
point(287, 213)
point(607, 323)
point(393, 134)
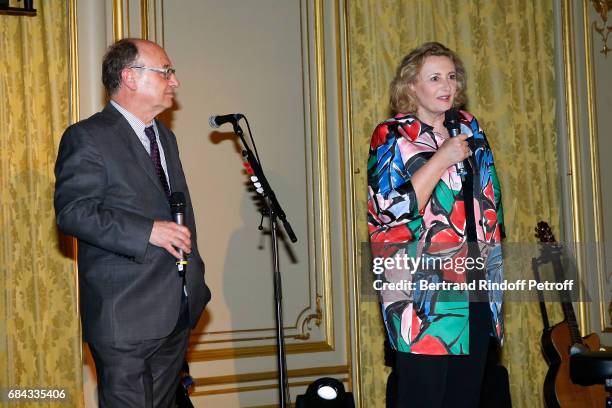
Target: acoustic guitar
point(563, 339)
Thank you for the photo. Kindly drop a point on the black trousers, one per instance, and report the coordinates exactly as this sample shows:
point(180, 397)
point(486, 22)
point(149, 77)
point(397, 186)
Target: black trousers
point(443, 381)
point(142, 374)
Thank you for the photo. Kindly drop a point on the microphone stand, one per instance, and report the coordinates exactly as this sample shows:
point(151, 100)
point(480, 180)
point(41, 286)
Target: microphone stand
point(274, 211)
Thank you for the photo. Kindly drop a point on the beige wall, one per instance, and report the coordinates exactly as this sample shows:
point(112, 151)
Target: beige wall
point(602, 83)
point(260, 59)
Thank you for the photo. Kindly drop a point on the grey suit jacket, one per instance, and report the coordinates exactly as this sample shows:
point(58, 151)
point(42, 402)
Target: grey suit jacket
point(107, 195)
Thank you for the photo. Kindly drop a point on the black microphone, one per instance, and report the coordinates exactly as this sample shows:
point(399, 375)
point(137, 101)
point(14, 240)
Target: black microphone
point(177, 207)
point(217, 120)
point(451, 122)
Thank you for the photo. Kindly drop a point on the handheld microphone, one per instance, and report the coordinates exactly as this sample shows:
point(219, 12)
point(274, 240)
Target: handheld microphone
point(177, 207)
point(451, 122)
point(217, 120)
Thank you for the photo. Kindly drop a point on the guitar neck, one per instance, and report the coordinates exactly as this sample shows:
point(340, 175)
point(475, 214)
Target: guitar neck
point(553, 252)
point(536, 274)
point(570, 317)
point(566, 302)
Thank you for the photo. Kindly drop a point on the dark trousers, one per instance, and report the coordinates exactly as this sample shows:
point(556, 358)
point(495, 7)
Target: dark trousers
point(443, 381)
point(142, 374)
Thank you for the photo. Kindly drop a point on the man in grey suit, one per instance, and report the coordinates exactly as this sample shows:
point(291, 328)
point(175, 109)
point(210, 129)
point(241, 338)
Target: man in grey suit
point(114, 174)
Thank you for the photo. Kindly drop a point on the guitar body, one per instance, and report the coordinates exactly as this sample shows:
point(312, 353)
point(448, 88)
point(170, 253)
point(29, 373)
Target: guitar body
point(559, 390)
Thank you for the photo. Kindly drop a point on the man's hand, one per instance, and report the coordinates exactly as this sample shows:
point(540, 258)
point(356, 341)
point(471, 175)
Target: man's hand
point(170, 236)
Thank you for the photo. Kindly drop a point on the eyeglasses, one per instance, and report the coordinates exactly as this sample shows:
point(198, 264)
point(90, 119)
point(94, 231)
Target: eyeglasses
point(166, 72)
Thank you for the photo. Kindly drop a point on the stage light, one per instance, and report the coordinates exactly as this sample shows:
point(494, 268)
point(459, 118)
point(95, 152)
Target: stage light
point(325, 393)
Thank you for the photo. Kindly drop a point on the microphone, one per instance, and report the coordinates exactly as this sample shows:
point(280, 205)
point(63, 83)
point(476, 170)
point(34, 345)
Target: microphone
point(177, 207)
point(451, 122)
point(217, 120)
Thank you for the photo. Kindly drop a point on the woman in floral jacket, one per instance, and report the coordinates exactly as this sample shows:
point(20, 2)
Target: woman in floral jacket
point(416, 211)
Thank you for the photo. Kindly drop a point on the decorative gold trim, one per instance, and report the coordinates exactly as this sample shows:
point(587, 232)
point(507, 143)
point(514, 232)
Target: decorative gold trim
point(196, 336)
point(574, 155)
point(74, 61)
point(221, 341)
point(161, 23)
point(74, 105)
point(356, 365)
point(271, 375)
point(156, 28)
point(261, 329)
point(235, 390)
point(324, 303)
point(74, 116)
point(266, 376)
point(257, 351)
point(117, 20)
point(144, 19)
point(345, 160)
point(127, 19)
point(602, 7)
point(317, 317)
point(324, 224)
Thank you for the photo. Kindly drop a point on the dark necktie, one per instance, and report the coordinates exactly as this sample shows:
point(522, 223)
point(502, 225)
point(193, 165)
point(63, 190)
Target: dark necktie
point(156, 159)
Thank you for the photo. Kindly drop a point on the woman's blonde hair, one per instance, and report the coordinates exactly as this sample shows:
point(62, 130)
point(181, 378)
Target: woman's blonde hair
point(402, 98)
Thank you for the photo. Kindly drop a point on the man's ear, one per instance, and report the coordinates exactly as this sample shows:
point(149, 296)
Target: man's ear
point(128, 78)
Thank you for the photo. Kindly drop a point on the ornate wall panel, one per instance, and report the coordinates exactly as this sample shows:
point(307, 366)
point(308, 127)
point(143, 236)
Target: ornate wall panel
point(267, 60)
point(588, 96)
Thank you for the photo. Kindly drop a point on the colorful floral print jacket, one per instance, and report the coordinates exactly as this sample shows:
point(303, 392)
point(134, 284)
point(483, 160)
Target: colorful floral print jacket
point(434, 319)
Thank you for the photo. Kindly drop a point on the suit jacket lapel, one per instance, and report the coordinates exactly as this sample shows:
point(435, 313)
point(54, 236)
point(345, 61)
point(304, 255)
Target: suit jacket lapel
point(133, 143)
